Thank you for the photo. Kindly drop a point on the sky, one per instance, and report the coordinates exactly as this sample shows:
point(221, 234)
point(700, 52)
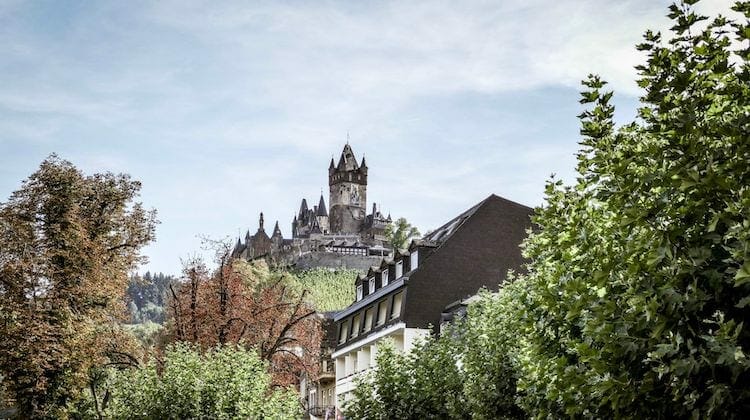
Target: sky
point(226, 109)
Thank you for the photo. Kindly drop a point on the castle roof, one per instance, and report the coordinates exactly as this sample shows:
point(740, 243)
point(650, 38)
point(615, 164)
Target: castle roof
point(322, 207)
point(347, 161)
point(303, 207)
point(277, 230)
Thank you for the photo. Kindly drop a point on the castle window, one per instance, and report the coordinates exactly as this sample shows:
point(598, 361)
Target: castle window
point(372, 286)
point(359, 293)
point(399, 269)
point(384, 278)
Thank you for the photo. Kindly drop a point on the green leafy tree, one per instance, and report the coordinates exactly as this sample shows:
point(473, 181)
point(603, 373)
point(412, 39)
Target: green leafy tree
point(222, 383)
point(639, 281)
point(400, 232)
point(67, 241)
point(426, 383)
point(489, 350)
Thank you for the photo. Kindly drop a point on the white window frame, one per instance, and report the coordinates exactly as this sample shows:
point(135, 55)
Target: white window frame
point(359, 292)
point(399, 269)
point(384, 277)
point(414, 259)
point(371, 282)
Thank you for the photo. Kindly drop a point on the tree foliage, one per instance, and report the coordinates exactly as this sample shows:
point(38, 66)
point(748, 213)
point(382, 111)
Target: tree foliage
point(245, 303)
point(400, 232)
point(148, 294)
point(640, 276)
point(68, 242)
point(223, 383)
point(421, 384)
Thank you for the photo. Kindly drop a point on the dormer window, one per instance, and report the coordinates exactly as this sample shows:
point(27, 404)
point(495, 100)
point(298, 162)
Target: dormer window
point(359, 293)
point(385, 277)
point(399, 269)
point(372, 285)
point(414, 259)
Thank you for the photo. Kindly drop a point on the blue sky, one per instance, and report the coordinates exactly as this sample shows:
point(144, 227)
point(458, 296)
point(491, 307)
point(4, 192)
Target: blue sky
point(226, 109)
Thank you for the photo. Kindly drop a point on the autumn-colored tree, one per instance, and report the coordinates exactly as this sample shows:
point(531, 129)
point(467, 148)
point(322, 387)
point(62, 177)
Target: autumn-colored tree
point(67, 242)
point(245, 303)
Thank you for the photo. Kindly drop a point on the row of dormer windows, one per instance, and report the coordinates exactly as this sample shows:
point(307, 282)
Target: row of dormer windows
point(372, 317)
point(370, 285)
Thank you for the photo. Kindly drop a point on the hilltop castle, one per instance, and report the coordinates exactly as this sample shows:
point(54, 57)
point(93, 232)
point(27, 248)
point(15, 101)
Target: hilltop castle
point(345, 236)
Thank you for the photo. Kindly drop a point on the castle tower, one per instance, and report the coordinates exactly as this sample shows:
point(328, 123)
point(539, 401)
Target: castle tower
point(348, 193)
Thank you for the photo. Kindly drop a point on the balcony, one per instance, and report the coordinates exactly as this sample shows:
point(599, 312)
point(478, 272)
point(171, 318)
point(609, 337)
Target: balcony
point(327, 373)
point(321, 410)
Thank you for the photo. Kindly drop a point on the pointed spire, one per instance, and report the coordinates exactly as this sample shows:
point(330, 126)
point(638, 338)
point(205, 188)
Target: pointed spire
point(260, 222)
point(302, 208)
point(322, 211)
point(277, 230)
point(363, 164)
point(247, 235)
point(332, 165)
point(347, 161)
point(374, 209)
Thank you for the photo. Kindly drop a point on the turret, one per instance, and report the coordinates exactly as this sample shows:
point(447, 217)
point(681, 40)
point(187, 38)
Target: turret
point(302, 209)
point(321, 209)
point(277, 237)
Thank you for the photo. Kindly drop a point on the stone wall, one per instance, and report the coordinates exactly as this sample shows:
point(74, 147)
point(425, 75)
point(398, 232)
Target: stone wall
point(334, 260)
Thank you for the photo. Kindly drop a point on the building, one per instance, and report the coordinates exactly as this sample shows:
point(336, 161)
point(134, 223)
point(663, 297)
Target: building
point(404, 297)
point(318, 394)
point(346, 236)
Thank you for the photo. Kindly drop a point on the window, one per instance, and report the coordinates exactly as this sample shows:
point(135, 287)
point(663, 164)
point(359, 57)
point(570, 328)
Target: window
point(343, 331)
point(369, 314)
point(397, 300)
point(355, 326)
point(384, 277)
point(359, 292)
point(399, 269)
point(414, 259)
point(382, 312)
point(372, 285)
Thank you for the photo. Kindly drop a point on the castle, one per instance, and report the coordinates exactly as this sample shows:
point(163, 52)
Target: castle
point(345, 236)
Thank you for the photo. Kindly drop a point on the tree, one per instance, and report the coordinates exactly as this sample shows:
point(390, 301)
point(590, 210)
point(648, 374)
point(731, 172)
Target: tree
point(246, 303)
point(639, 281)
point(148, 294)
point(400, 233)
point(68, 242)
point(226, 382)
